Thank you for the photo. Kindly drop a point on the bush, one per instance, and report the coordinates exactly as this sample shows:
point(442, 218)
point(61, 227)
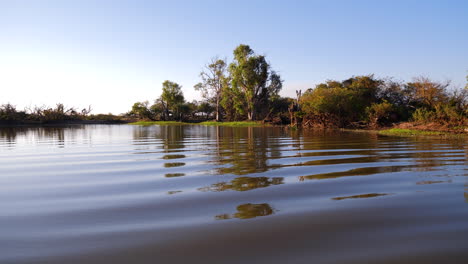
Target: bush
point(341, 102)
point(380, 113)
point(423, 115)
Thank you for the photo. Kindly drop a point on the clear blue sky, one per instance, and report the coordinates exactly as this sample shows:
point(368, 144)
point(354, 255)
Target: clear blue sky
point(112, 53)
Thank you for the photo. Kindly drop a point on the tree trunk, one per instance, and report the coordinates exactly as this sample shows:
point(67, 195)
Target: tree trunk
point(217, 112)
point(251, 115)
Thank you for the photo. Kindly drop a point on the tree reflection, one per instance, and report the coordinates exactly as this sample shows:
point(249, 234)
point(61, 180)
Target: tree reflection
point(173, 164)
point(175, 156)
point(355, 172)
point(173, 175)
point(244, 184)
point(9, 135)
point(248, 211)
point(360, 196)
point(171, 137)
point(55, 135)
point(246, 150)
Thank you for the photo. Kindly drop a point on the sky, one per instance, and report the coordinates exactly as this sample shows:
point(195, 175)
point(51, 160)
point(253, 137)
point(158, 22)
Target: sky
point(110, 53)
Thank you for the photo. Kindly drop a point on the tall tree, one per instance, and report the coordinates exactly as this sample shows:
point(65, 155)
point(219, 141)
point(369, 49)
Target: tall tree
point(428, 93)
point(214, 77)
point(253, 79)
point(171, 98)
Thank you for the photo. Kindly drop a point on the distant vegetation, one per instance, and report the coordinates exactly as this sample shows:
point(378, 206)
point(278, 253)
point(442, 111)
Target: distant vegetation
point(364, 101)
point(247, 89)
point(233, 124)
point(10, 115)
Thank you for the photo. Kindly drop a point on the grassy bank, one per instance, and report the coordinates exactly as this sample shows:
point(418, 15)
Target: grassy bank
point(207, 123)
point(423, 133)
point(161, 123)
point(234, 124)
point(410, 132)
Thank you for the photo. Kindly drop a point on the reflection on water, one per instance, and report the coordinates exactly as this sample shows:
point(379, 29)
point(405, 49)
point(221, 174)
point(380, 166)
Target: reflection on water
point(120, 193)
point(355, 172)
point(432, 182)
point(175, 156)
point(244, 184)
point(247, 211)
point(170, 175)
point(359, 196)
point(173, 164)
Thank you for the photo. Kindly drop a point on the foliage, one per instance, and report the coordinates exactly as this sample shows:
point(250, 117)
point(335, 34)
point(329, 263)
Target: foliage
point(423, 92)
point(252, 81)
point(214, 80)
point(207, 109)
point(379, 113)
point(234, 124)
point(409, 132)
point(150, 123)
point(171, 100)
point(340, 103)
point(58, 114)
point(377, 102)
point(9, 113)
point(141, 110)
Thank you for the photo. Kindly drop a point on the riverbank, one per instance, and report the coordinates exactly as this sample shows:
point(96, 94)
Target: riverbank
point(429, 129)
point(206, 123)
point(402, 129)
point(61, 123)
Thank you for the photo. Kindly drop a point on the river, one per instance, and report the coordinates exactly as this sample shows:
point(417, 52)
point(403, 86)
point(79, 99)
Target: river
point(199, 194)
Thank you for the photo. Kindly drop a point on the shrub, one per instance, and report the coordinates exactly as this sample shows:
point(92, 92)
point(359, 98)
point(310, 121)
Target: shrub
point(379, 113)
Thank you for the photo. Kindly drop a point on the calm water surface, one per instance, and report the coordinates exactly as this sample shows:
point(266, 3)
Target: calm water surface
point(195, 194)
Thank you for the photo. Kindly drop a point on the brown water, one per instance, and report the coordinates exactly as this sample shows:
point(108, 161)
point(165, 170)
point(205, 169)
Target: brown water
point(195, 194)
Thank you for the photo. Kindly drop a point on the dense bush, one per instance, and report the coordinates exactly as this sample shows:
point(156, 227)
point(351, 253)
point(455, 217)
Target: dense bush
point(376, 102)
point(340, 103)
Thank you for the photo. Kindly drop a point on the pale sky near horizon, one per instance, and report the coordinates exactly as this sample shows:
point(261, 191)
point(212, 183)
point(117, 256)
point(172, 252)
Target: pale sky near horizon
point(110, 54)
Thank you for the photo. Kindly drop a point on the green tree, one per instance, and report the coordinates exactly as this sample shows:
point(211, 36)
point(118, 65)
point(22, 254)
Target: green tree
point(252, 80)
point(141, 110)
point(171, 98)
point(206, 109)
point(214, 78)
point(340, 103)
point(427, 93)
point(182, 110)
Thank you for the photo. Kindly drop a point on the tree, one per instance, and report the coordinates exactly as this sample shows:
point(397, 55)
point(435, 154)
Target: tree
point(206, 109)
point(339, 104)
point(141, 110)
point(253, 80)
point(182, 110)
point(427, 93)
point(214, 78)
point(171, 98)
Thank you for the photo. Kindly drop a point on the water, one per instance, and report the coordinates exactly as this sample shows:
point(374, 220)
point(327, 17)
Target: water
point(195, 194)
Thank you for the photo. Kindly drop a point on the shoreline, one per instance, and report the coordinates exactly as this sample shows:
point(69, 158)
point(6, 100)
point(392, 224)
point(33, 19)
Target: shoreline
point(62, 123)
point(403, 129)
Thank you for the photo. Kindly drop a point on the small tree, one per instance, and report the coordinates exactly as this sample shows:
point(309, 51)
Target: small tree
point(425, 92)
point(466, 86)
point(171, 98)
point(214, 78)
point(141, 110)
point(206, 108)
